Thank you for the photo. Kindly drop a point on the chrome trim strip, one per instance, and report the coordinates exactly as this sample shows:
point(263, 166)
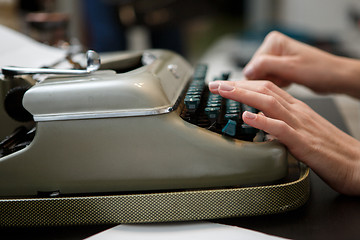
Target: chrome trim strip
point(113, 114)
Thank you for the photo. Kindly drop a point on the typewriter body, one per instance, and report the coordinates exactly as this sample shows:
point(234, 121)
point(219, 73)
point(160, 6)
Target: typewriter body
point(139, 140)
point(124, 129)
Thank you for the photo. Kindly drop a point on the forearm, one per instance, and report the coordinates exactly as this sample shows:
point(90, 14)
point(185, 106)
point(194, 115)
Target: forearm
point(348, 74)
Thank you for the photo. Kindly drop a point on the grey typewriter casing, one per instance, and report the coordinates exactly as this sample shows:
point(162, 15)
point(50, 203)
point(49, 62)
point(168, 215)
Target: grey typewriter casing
point(113, 132)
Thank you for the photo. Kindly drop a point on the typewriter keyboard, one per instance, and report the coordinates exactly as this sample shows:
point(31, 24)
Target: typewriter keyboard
point(213, 112)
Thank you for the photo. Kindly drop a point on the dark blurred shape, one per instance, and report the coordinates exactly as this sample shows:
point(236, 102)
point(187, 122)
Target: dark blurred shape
point(30, 5)
point(49, 28)
point(43, 23)
point(104, 31)
point(109, 20)
point(13, 104)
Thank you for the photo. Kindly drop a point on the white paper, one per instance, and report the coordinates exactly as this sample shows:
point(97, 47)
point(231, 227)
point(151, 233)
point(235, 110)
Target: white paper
point(17, 49)
point(180, 231)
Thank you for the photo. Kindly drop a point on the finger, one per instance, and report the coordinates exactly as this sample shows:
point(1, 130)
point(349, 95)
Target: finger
point(264, 87)
point(273, 44)
point(268, 88)
point(270, 67)
point(271, 103)
point(268, 104)
point(277, 128)
point(214, 86)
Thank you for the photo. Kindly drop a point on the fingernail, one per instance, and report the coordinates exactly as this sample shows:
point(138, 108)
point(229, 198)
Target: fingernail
point(226, 87)
point(214, 85)
point(248, 71)
point(249, 115)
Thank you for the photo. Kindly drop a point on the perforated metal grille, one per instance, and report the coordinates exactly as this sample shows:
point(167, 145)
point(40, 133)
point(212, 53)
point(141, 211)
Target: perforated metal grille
point(156, 207)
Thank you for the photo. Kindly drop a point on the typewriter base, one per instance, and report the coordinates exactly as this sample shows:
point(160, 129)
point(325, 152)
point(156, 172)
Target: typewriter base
point(184, 205)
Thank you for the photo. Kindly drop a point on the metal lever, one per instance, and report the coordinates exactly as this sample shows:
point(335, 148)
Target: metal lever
point(93, 64)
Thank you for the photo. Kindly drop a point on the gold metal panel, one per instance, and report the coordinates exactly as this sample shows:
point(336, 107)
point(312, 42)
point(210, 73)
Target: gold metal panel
point(157, 207)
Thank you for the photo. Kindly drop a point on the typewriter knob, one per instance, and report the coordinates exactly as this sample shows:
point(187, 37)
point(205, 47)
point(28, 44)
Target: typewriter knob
point(93, 61)
point(13, 104)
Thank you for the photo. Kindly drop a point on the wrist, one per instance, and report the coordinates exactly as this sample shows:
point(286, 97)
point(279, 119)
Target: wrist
point(348, 76)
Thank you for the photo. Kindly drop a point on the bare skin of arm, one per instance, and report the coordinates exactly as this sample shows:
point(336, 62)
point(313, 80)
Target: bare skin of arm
point(332, 154)
point(283, 61)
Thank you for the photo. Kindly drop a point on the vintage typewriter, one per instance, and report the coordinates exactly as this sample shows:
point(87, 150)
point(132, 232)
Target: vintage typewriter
point(139, 139)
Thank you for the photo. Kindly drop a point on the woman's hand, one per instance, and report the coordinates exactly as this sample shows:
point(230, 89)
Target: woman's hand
point(283, 60)
point(332, 154)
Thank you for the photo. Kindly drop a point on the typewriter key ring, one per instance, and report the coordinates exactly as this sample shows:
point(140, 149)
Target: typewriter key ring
point(93, 64)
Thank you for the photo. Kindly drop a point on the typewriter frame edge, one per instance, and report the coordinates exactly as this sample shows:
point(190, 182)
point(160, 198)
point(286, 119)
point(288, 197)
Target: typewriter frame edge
point(170, 206)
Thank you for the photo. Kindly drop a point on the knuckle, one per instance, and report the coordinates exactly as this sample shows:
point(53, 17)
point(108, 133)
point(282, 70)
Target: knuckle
point(272, 102)
point(266, 87)
point(259, 62)
point(274, 42)
point(280, 130)
point(282, 127)
point(272, 35)
point(301, 107)
point(264, 122)
point(269, 85)
point(277, 128)
point(263, 89)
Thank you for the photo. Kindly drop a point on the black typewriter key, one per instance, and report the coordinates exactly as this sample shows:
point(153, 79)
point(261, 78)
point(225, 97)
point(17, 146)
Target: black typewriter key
point(192, 102)
point(213, 112)
point(232, 116)
point(248, 130)
point(225, 75)
point(248, 108)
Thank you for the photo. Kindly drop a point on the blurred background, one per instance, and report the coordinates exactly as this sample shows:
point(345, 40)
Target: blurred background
point(221, 33)
point(188, 27)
